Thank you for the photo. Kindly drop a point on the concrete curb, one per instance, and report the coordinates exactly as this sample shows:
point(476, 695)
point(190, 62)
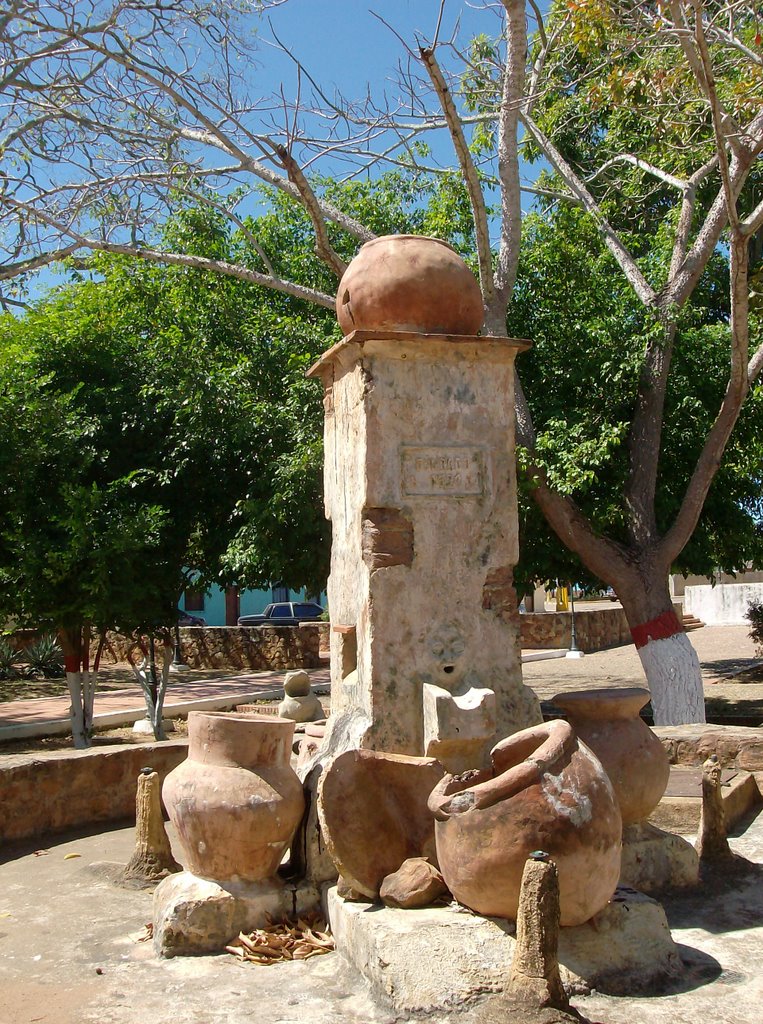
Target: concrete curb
point(544, 655)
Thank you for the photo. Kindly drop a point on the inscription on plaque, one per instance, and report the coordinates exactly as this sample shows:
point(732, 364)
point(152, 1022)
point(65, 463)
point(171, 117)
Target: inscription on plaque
point(441, 471)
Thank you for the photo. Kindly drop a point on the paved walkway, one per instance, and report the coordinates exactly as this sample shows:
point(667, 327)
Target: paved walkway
point(72, 954)
point(724, 652)
point(44, 715)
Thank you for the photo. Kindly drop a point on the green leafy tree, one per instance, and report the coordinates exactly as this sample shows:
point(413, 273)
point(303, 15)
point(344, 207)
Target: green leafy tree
point(142, 416)
point(647, 116)
point(580, 378)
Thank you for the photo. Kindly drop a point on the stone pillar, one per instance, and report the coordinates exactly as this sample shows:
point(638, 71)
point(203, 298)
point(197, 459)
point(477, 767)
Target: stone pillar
point(420, 487)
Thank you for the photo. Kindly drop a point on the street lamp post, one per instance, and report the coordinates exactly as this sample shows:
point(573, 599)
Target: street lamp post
point(178, 665)
point(574, 651)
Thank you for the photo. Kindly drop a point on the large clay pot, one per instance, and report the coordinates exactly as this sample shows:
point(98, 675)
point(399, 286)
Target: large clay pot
point(409, 283)
point(235, 802)
point(545, 791)
point(608, 721)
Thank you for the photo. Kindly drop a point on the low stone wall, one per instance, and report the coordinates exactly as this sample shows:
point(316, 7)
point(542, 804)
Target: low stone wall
point(723, 605)
point(55, 791)
point(595, 628)
point(237, 647)
point(735, 746)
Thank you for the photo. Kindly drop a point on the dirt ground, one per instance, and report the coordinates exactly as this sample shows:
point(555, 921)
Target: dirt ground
point(72, 953)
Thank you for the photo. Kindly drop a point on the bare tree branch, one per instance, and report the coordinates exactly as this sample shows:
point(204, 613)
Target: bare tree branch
point(612, 240)
point(323, 246)
point(469, 171)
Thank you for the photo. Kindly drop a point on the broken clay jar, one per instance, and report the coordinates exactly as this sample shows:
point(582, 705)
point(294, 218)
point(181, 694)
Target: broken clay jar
point(635, 760)
point(235, 802)
point(546, 791)
point(409, 283)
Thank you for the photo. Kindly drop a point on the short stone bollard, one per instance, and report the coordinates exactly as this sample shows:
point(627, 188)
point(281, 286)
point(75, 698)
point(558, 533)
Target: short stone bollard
point(712, 842)
point(535, 977)
point(152, 858)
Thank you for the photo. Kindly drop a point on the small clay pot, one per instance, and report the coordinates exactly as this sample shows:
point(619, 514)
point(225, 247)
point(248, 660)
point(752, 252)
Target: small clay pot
point(545, 791)
point(235, 802)
point(409, 283)
point(608, 721)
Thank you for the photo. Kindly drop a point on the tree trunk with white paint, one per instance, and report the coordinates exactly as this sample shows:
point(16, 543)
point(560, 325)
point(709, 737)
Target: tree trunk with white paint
point(154, 690)
point(674, 676)
point(670, 663)
point(82, 692)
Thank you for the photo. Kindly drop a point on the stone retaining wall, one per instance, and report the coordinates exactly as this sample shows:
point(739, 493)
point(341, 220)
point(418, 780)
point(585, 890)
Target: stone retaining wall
point(595, 628)
point(725, 604)
point(58, 790)
point(735, 746)
point(237, 647)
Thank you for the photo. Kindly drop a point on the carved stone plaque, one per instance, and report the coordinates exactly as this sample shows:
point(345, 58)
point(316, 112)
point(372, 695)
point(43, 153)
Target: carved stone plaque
point(439, 471)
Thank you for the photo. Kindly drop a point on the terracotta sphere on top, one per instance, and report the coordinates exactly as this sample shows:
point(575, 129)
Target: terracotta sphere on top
point(409, 283)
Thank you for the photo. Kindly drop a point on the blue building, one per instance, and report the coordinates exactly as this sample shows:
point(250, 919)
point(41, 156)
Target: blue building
point(220, 607)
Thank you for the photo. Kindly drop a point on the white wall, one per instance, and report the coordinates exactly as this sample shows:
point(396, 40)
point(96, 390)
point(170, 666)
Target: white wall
point(723, 605)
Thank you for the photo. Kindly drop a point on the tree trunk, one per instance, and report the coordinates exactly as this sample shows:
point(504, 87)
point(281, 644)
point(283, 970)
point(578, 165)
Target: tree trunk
point(82, 692)
point(154, 690)
point(670, 663)
point(640, 579)
point(80, 734)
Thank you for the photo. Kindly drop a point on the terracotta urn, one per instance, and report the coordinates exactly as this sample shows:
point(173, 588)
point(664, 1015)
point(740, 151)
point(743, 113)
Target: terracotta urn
point(608, 721)
point(235, 802)
point(545, 791)
point(409, 283)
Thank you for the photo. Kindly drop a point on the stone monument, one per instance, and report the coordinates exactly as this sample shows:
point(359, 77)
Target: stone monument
point(420, 488)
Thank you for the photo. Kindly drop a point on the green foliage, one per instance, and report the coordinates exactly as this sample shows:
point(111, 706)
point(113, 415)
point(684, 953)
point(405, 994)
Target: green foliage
point(157, 421)
point(581, 376)
point(44, 658)
point(614, 85)
point(755, 618)
point(9, 656)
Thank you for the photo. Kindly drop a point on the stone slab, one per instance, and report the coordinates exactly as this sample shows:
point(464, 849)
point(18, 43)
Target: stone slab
point(654, 861)
point(626, 948)
point(194, 915)
point(679, 810)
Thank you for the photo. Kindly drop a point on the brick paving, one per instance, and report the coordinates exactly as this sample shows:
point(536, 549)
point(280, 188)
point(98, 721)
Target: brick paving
point(180, 692)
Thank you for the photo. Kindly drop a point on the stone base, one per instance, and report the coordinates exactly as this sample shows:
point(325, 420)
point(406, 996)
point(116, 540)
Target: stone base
point(194, 915)
point(143, 727)
point(436, 958)
point(654, 861)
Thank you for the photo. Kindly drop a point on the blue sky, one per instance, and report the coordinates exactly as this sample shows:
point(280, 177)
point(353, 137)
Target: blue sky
point(346, 48)
point(346, 45)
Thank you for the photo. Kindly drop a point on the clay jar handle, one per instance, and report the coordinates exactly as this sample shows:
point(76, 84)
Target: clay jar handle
point(538, 750)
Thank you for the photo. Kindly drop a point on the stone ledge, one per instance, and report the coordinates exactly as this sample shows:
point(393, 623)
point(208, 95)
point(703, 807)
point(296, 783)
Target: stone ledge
point(625, 949)
point(681, 813)
point(57, 790)
point(736, 746)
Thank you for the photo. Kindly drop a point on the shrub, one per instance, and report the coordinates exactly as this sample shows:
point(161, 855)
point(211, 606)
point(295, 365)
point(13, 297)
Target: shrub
point(44, 658)
point(755, 618)
point(8, 658)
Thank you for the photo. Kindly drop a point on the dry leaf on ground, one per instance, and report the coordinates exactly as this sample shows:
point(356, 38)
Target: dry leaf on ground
point(282, 941)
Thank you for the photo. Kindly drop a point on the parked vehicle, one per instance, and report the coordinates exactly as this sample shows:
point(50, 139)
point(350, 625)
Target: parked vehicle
point(284, 613)
point(186, 619)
